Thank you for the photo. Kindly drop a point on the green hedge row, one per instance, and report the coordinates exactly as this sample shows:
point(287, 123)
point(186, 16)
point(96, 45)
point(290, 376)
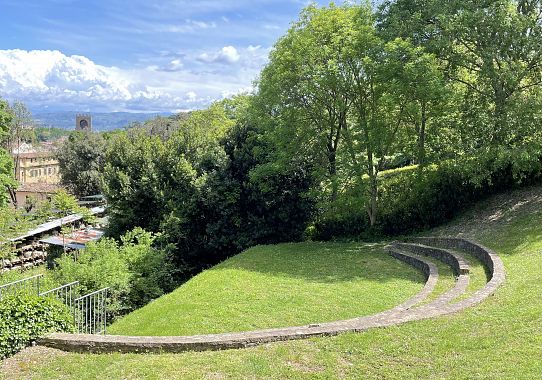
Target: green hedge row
point(410, 200)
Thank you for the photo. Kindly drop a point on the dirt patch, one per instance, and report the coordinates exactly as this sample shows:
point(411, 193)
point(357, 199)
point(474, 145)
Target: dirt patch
point(17, 366)
point(497, 211)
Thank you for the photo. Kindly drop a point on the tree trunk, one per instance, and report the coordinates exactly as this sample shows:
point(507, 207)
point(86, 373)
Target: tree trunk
point(13, 196)
point(372, 207)
point(421, 137)
point(373, 188)
point(499, 115)
point(332, 169)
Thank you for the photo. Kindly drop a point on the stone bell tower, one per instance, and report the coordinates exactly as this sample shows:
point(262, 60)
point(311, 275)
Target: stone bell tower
point(83, 123)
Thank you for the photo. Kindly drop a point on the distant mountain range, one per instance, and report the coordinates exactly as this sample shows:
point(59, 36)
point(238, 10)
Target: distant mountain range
point(100, 121)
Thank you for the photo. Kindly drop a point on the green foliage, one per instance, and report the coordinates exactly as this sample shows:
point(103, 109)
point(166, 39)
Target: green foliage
point(6, 176)
point(5, 119)
point(455, 84)
point(195, 188)
point(24, 318)
point(346, 99)
point(135, 272)
point(6, 163)
point(50, 133)
point(81, 161)
point(410, 200)
point(132, 183)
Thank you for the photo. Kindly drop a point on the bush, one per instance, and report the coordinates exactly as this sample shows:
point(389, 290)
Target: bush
point(24, 318)
point(133, 269)
point(410, 200)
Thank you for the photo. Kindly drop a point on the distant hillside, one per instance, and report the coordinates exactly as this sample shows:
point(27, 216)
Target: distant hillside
point(100, 121)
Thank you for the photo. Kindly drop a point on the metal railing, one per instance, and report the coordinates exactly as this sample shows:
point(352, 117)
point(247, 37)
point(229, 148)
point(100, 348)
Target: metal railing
point(90, 313)
point(26, 285)
point(65, 294)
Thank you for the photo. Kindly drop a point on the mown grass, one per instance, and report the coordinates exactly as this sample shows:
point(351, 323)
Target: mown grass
point(446, 280)
point(498, 339)
point(478, 276)
point(279, 286)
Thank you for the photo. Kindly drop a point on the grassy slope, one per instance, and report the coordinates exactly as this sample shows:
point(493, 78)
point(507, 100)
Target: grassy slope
point(501, 338)
point(278, 286)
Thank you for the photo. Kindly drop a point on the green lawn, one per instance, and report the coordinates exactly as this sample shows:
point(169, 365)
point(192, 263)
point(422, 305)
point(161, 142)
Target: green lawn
point(446, 280)
point(278, 286)
point(498, 339)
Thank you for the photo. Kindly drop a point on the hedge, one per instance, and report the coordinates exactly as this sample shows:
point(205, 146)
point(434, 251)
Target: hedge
point(24, 318)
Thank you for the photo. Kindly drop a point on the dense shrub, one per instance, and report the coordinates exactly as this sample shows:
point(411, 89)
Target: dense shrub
point(410, 200)
point(24, 318)
point(133, 269)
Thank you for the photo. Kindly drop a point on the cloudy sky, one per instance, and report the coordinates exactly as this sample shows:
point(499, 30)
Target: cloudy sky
point(135, 55)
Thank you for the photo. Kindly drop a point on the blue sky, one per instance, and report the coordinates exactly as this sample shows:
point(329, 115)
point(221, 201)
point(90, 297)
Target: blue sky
point(112, 55)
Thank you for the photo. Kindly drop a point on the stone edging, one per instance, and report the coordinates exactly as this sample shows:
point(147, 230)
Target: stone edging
point(398, 315)
point(457, 262)
point(452, 259)
point(431, 274)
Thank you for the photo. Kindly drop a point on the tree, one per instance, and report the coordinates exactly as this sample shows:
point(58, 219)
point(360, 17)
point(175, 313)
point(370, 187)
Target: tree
point(378, 107)
point(81, 160)
point(496, 54)
point(7, 180)
point(21, 130)
point(301, 89)
point(421, 83)
point(131, 182)
point(338, 93)
point(492, 49)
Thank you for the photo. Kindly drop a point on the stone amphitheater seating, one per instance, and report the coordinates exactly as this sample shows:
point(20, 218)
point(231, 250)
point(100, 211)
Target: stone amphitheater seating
point(448, 250)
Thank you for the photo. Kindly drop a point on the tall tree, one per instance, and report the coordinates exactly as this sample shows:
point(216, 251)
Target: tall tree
point(379, 105)
point(421, 84)
point(7, 181)
point(493, 49)
point(81, 161)
point(21, 131)
point(302, 86)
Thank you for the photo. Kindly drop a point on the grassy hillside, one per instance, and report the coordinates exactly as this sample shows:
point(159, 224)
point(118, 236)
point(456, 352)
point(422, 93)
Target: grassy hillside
point(499, 339)
point(278, 286)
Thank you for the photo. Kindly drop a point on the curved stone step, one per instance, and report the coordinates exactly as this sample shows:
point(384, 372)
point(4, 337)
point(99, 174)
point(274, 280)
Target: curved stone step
point(99, 343)
point(451, 258)
point(457, 262)
point(427, 267)
point(489, 258)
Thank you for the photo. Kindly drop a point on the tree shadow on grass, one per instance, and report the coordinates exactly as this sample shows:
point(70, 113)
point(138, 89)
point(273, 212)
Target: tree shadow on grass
point(505, 222)
point(324, 263)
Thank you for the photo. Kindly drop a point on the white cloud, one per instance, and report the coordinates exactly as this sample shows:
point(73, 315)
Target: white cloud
point(50, 79)
point(228, 54)
point(189, 26)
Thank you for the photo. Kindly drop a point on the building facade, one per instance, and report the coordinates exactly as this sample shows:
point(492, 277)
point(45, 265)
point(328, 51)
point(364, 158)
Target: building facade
point(37, 171)
point(36, 165)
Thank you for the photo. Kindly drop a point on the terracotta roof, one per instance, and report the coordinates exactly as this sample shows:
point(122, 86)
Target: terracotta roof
point(46, 188)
